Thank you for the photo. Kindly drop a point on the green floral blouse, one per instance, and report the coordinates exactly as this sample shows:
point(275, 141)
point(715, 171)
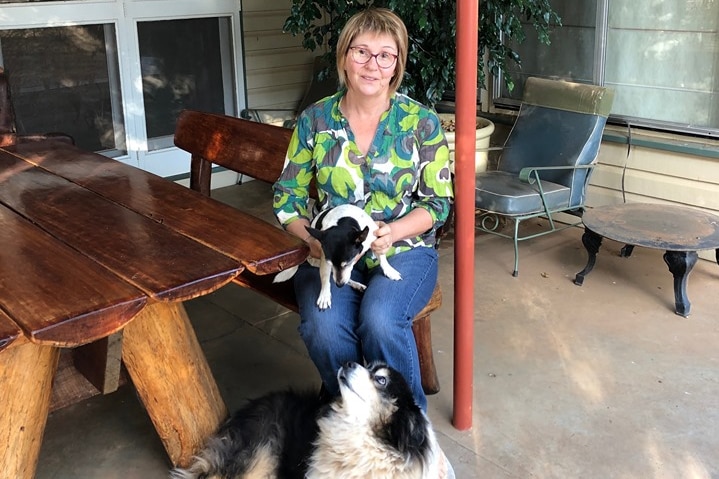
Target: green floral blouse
point(406, 167)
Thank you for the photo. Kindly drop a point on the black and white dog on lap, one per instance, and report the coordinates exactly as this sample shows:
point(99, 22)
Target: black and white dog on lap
point(372, 430)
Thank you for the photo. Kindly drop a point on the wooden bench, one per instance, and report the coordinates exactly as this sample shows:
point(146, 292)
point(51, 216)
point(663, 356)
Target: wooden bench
point(258, 150)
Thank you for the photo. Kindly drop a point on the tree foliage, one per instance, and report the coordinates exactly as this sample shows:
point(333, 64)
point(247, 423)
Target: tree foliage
point(432, 30)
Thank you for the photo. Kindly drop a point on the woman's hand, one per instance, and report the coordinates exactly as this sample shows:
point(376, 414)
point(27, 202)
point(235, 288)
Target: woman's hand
point(384, 239)
point(315, 247)
point(299, 229)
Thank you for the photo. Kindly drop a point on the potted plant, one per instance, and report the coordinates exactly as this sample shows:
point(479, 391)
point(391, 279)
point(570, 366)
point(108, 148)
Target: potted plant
point(431, 25)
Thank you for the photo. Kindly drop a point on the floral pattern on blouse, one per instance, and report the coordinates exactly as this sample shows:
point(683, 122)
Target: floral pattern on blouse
point(406, 167)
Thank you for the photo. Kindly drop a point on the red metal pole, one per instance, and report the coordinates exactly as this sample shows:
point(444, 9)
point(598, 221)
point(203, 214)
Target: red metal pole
point(466, 113)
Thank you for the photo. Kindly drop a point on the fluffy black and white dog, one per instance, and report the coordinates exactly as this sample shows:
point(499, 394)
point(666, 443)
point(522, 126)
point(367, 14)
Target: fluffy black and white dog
point(373, 430)
point(345, 233)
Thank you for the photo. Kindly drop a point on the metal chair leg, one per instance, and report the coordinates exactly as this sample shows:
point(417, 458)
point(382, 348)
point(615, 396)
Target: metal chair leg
point(515, 273)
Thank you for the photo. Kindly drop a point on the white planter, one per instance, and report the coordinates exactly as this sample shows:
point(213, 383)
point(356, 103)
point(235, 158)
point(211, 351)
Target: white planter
point(484, 131)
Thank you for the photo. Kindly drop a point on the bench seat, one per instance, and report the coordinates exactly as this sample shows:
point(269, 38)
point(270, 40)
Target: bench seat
point(258, 150)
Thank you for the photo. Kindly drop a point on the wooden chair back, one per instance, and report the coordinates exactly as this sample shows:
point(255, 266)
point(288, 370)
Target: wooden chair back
point(220, 140)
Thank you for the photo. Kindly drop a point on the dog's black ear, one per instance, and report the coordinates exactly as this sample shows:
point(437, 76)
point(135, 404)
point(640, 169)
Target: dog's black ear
point(362, 236)
point(407, 432)
point(314, 232)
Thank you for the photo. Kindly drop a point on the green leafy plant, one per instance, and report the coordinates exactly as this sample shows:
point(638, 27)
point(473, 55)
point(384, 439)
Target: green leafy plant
point(432, 30)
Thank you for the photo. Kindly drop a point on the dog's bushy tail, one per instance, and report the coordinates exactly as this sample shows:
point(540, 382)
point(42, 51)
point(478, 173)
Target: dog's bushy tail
point(270, 436)
point(285, 275)
point(207, 465)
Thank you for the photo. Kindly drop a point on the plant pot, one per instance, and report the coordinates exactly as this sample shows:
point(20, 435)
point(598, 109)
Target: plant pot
point(485, 128)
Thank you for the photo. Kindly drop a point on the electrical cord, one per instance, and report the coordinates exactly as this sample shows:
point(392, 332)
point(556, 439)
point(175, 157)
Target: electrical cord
point(626, 160)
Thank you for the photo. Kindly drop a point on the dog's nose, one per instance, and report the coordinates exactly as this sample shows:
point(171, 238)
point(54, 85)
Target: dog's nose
point(350, 365)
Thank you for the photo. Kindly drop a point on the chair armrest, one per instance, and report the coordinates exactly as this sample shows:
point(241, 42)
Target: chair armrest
point(525, 174)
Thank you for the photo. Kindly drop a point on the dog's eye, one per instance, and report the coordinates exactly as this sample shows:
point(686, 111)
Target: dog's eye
point(380, 380)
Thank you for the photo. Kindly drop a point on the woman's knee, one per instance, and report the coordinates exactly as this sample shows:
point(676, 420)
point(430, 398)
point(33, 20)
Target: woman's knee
point(316, 330)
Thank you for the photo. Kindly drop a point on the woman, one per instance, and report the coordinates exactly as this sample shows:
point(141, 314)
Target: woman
point(384, 152)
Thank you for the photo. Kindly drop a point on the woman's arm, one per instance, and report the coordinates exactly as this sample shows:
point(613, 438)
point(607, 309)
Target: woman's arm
point(410, 225)
point(298, 228)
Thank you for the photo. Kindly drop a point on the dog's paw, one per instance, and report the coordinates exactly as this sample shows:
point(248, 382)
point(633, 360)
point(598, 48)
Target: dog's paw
point(324, 301)
point(358, 286)
point(388, 270)
point(392, 273)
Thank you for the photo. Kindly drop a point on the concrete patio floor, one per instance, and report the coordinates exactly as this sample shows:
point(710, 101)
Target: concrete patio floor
point(599, 381)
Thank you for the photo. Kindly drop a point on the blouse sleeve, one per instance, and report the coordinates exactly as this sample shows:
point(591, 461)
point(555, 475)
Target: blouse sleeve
point(435, 192)
point(291, 190)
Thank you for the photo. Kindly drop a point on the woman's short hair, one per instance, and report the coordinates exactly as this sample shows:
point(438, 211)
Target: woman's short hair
point(379, 21)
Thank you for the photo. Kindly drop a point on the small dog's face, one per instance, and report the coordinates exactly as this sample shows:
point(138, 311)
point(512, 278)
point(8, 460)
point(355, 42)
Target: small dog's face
point(342, 246)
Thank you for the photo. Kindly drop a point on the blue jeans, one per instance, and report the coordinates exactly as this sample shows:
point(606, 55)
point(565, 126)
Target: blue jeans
point(369, 326)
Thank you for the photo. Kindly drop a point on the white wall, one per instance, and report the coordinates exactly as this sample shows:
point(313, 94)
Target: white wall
point(277, 68)
point(657, 176)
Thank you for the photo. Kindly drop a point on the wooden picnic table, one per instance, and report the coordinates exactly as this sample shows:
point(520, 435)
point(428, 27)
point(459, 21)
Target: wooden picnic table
point(91, 247)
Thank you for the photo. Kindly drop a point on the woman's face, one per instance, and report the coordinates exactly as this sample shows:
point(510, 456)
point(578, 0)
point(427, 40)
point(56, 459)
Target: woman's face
point(369, 79)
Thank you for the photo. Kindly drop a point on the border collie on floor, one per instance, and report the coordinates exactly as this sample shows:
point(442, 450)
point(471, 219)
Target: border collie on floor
point(372, 430)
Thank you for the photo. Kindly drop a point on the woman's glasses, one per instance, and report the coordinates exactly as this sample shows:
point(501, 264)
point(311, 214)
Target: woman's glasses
point(361, 55)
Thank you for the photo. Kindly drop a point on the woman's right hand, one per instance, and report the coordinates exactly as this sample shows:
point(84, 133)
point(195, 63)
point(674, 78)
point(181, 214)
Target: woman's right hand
point(315, 247)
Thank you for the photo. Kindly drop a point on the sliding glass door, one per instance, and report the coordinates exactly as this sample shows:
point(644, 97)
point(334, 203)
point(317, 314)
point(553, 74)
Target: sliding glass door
point(115, 74)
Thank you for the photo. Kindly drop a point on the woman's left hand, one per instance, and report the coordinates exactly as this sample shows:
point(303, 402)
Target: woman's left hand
point(384, 238)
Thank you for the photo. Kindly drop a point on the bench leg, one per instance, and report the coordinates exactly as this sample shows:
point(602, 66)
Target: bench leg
point(422, 329)
point(26, 373)
point(173, 379)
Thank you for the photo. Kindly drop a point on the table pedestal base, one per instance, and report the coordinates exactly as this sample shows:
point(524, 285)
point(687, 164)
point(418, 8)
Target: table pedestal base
point(680, 264)
point(173, 379)
point(26, 373)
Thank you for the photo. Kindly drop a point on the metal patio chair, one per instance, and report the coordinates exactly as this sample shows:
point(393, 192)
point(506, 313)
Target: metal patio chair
point(546, 161)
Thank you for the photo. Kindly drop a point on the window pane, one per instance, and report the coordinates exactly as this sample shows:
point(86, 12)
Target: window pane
point(570, 55)
point(663, 60)
point(181, 62)
point(60, 82)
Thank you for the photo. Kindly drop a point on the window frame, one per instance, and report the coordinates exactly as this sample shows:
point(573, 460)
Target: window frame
point(601, 27)
point(158, 156)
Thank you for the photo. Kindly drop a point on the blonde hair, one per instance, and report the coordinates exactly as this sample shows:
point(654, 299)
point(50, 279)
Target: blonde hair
point(379, 21)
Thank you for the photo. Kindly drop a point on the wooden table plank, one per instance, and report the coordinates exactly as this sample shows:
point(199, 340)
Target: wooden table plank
point(164, 264)
point(217, 225)
point(9, 331)
point(55, 294)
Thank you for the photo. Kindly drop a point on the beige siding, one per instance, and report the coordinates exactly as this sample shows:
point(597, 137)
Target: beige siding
point(277, 68)
point(655, 176)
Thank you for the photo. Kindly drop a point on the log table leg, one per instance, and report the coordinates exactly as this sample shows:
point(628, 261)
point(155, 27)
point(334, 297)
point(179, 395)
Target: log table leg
point(591, 241)
point(26, 373)
point(680, 264)
point(173, 379)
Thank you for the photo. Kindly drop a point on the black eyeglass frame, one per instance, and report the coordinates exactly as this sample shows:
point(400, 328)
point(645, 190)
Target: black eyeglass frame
point(373, 56)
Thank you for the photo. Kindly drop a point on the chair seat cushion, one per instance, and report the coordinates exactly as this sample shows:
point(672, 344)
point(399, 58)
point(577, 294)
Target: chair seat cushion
point(504, 193)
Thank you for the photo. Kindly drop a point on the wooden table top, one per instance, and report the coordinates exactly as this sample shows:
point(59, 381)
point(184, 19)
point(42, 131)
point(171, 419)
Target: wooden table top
point(659, 226)
point(88, 241)
point(208, 221)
